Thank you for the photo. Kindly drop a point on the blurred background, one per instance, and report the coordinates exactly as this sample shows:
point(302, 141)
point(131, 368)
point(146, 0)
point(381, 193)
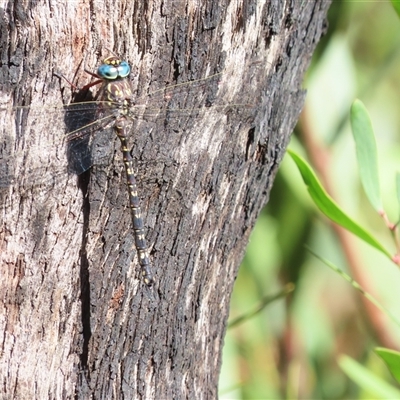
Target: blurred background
point(290, 349)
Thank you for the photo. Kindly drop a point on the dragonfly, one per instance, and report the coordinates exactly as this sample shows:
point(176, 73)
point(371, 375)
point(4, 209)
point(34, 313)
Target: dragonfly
point(116, 96)
point(114, 108)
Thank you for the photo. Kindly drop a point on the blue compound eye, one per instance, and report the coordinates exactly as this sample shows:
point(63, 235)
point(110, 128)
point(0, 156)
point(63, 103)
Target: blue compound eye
point(124, 69)
point(107, 71)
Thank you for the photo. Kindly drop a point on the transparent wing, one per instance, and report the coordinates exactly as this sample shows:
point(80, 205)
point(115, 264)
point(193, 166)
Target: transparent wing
point(83, 137)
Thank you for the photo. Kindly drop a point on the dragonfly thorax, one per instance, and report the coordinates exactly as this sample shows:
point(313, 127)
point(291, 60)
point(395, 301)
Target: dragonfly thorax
point(117, 94)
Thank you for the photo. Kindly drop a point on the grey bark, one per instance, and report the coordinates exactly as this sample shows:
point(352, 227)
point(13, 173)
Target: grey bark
point(76, 319)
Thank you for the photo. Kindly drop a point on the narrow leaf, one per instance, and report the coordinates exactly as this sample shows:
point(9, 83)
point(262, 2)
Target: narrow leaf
point(326, 204)
point(356, 285)
point(391, 359)
point(396, 6)
point(367, 380)
point(367, 155)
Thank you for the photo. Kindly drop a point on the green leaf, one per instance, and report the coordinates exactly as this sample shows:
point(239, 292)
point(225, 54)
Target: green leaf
point(396, 6)
point(326, 204)
point(391, 359)
point(367, 380)
point(355, 284)
point(367, 155)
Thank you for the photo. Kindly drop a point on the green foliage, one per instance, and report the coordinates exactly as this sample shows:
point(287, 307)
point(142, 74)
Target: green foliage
point(396, 6)
point(326, 204)
point(290, 348)
point(376, 387)
point(367, 155)
point(355, 284)
point(392, 360)
point(368, 166)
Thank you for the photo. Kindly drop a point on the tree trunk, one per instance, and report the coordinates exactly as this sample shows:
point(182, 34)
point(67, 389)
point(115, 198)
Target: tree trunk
point(77, 320)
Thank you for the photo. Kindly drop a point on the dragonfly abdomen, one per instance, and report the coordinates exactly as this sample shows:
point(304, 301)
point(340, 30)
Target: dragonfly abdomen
point(134, 204)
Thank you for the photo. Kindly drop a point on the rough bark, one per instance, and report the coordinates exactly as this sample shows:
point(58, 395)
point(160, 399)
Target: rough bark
point(76, 319)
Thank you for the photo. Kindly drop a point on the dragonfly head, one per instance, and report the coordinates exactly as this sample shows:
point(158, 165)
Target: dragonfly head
point(113, 68)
